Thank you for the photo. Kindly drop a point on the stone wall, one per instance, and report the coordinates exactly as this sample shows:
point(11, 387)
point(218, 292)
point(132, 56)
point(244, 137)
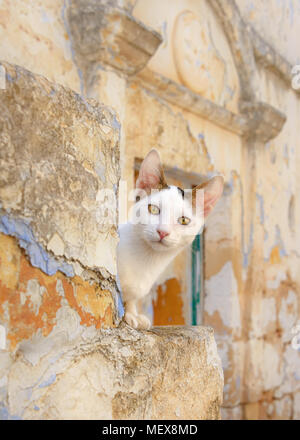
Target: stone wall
point(252, 240)
point(58, 290)
point(57, 254)
point(165, 374)
point(218, 100)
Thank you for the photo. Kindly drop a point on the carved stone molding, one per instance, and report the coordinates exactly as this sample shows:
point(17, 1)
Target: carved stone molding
point(248, 46)
point(258, 120)
point(183, 97)
point(264, 122)
point(270, 59)
point(107, 35)
point(240, 44)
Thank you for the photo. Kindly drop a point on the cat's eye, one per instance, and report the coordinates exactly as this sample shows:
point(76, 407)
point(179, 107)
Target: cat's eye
point(184, 220)
point(153, 209)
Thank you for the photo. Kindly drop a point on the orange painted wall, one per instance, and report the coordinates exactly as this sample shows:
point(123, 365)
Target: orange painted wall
point(168, 307)
point(23, 317)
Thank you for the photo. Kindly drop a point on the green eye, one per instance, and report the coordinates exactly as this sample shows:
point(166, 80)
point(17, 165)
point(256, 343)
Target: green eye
point(184, 220)
point(153, 209)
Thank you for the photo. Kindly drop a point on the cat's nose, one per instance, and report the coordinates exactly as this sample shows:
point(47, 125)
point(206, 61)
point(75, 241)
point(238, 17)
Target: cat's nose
point(162, 234)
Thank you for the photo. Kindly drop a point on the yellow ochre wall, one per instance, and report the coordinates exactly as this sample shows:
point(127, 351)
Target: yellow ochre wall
point(208, 83)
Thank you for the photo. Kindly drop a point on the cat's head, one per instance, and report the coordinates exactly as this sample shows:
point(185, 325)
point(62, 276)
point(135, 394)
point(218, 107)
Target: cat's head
point(167, 217)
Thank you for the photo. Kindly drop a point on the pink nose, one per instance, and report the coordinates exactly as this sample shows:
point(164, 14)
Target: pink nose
point(162, 234)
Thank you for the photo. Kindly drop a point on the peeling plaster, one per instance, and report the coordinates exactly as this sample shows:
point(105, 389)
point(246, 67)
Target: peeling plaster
point(269, 312)
point(95, 372)
point(21, 230)
point(278, 244)
point(120, 306)
point(260, 200)
point(288, 315)
point(35, 293)
point(275, 282)
point(247, 253)
point(222, 296)
point(223, 276)
point(272, 366)
point(65, 5)
point(51, 379)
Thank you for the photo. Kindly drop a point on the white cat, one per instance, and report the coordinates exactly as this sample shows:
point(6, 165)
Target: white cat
point(162, 223)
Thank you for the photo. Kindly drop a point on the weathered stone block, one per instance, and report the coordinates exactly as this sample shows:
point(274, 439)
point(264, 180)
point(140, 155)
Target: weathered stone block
point(165, 373)
point(58, 152)
point(36, 37)
point(106, 34)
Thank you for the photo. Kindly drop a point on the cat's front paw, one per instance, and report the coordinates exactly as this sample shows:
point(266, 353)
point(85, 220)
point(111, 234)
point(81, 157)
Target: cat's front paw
point(131, 320)
point(143, 322)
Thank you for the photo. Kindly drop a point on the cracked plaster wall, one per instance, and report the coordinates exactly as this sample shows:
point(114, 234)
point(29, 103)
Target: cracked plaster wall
point(57, 251)
point(57, 255)
point(252, 240)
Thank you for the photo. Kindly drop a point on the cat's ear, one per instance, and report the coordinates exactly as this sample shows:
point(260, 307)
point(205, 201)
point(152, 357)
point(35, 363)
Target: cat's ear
point(151, 175)
point(212, 191)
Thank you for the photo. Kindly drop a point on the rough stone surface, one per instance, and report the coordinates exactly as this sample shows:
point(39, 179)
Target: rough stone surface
point(57, 248)
point(166, 373)
point(106, 35)
point(34, 305)
point(38, 39)
point(58, 151)
point(252, 241)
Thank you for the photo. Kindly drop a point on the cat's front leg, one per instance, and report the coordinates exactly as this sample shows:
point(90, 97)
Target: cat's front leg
point(143, 322)
point(133, 318)
point(131, 313)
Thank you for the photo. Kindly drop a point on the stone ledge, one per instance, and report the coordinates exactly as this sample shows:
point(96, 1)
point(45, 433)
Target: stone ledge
point(270, 59)
point(181, 96)
point(257, 120)
point(164, 373)
point(265, 122)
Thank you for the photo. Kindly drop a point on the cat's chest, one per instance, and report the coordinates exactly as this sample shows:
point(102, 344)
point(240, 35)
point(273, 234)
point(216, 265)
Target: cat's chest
point(139, 273)
point(138, 266)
